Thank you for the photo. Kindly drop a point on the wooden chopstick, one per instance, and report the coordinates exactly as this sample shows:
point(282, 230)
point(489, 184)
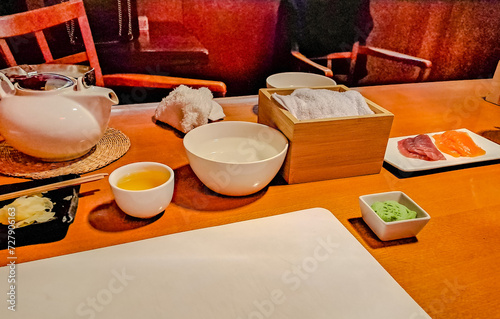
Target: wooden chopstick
point(53, 186)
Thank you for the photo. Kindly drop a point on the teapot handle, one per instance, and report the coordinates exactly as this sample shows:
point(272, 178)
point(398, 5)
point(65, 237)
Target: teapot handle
point(6, 87)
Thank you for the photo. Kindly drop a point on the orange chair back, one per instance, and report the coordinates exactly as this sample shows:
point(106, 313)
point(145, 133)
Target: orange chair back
point(35, 21)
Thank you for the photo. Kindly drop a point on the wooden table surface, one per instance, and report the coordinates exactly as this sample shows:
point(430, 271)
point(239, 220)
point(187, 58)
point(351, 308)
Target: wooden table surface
point(450, 269)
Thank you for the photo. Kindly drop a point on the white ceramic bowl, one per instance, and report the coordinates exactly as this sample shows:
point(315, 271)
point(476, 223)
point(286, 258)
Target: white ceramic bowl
point(298, 79)
point(396, 229)
point(143, 203)
point(235, 158)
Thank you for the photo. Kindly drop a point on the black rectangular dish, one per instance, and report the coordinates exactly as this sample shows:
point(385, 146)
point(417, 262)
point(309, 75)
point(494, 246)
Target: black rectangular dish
point(65, 205)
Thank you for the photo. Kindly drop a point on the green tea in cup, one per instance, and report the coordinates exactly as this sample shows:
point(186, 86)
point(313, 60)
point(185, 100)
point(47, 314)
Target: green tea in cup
point(142, 180)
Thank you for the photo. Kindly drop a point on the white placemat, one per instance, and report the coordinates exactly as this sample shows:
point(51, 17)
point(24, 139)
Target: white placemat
point(302, 265)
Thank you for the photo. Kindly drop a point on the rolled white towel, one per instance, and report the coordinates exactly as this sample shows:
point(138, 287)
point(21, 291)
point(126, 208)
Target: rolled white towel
point(186, 108)
point(310, 104)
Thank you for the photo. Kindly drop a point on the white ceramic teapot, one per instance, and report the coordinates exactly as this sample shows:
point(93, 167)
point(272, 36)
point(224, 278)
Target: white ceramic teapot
point(53, 117)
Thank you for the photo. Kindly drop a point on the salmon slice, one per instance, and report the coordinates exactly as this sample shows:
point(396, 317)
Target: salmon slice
point(457, 143)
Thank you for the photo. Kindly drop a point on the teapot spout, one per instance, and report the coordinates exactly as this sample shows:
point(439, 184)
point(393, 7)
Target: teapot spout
point(105, 93)
point(113, 98)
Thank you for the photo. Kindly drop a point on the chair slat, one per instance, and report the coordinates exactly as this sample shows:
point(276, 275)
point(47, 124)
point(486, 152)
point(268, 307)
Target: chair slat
point(83, 22)
point(39, 19)
point(71, 59)
point(6, 54)
point(44, 46)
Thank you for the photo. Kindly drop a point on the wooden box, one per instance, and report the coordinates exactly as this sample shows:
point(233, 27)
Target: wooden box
point(328, 148)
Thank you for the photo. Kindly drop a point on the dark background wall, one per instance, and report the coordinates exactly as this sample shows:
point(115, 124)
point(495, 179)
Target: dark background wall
point(244, 40)
point(12, 6)
point(461, 38)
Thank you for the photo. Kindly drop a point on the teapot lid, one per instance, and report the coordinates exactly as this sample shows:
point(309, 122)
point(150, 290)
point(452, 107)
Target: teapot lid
point(43, 81)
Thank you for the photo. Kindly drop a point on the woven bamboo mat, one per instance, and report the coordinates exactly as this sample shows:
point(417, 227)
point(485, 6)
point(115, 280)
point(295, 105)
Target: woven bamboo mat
point(113, 145)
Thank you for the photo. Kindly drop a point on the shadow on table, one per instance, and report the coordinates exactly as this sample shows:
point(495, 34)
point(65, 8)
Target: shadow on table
point(168, 127)
point(191, 193)
point(372, 240)
point(402, 174)
point(109, 217)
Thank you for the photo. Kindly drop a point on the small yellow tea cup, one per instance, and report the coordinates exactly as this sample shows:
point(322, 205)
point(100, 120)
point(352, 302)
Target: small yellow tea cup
point(142, 189)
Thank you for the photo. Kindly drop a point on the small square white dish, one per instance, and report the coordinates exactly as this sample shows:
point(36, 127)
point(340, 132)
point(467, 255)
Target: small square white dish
point(405, 164)
point(395, 229)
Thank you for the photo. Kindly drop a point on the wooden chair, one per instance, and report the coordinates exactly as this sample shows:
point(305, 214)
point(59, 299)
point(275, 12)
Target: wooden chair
point(322, 31)
point(357, 49)
point(35, 21)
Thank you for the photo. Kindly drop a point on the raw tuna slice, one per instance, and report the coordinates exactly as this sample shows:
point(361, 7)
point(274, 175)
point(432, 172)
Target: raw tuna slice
point(420, 147)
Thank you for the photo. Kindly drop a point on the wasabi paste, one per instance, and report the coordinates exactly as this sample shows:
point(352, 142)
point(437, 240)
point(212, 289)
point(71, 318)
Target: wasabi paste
point(391, 211)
